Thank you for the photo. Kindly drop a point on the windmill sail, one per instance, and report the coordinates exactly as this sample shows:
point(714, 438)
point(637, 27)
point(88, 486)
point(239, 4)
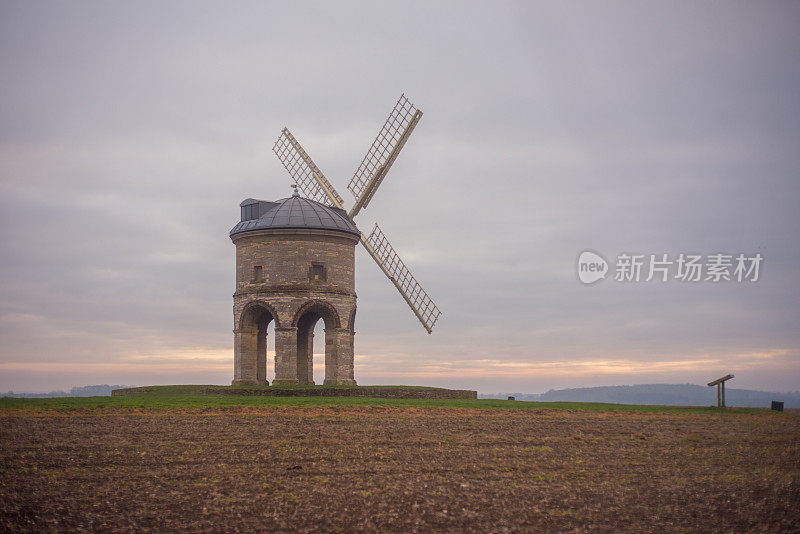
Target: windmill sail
point(302, 168)
point(369, 175)
point(384, 150)
point(390, 263)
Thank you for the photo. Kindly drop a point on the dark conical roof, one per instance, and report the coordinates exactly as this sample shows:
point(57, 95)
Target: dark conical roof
point(298, 212)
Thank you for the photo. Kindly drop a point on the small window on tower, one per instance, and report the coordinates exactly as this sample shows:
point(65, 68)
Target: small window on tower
point(258, 274)
point(317, 272)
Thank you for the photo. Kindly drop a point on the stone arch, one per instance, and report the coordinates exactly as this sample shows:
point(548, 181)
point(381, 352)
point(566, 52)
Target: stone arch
point(324, 309)
point(250, 351)
point(351, 322)
point(250, 307)
point(305, 319)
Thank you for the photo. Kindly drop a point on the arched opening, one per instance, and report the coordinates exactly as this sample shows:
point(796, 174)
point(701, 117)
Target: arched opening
point(271, 351)
point(351, 338)
point(254, 341)
point(318, 353)
point(309, 327)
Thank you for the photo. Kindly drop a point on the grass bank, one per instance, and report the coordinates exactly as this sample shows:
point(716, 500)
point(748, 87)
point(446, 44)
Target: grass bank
point(190, 396)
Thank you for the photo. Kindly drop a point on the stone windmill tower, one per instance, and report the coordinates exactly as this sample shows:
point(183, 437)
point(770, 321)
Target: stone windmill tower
point(295, 264)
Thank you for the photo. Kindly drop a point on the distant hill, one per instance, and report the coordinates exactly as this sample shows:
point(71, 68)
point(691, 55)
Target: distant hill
point(659, 394)
point(103, 390)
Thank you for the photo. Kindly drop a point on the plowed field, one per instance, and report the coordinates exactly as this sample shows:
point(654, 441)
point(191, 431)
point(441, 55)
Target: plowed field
point(353, 469)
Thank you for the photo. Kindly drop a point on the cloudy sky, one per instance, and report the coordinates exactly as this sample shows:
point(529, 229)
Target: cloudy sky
point(130, 131)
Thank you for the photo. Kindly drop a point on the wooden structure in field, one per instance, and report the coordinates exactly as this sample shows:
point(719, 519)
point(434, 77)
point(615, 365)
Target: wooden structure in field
point(720, 383)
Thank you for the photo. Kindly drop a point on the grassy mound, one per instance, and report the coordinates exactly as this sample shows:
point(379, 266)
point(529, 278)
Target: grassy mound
point(384, 392)
point(192, 397)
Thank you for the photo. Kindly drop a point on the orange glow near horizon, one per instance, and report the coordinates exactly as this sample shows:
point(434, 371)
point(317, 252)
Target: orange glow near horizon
point(199, 360)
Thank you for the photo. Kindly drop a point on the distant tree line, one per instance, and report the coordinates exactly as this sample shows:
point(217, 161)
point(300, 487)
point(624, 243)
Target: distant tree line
point(659, 394)
point(103, 390)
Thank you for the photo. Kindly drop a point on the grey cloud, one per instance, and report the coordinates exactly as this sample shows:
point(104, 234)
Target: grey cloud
point(130, 132)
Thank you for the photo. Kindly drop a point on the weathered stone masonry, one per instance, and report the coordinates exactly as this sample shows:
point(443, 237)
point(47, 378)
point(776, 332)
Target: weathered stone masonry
point(294, 276)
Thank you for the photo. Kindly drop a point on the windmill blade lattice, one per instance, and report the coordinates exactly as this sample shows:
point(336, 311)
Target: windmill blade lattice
point(304, 171)
point(369, 175)
point(390, 263)
point(383, 152)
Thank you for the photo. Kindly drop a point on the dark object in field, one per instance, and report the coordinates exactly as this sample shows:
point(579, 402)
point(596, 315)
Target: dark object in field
point(511, 398)
point(777, 406)
point(294, 467)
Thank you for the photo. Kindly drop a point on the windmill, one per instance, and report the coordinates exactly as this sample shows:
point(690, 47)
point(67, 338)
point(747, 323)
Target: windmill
point(363, 185)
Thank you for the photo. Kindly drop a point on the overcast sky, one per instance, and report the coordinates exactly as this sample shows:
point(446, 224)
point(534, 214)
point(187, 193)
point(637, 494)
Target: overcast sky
point(130, 132)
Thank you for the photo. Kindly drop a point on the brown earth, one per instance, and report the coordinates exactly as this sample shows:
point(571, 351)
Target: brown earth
point(359, 469)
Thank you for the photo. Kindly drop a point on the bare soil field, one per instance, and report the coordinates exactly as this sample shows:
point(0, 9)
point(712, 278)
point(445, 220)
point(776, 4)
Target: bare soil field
point(398, 469)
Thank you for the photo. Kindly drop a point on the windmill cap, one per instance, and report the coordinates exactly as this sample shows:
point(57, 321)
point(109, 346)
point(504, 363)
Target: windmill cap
point(294, 212)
